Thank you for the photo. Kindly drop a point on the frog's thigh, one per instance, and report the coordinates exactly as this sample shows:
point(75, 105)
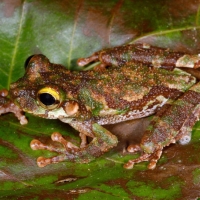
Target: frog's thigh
point(192, 97)
point(170, 125)
point(185, 133)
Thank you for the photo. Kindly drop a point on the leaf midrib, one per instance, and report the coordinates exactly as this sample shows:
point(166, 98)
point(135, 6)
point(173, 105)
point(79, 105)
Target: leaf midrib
point(12, 64)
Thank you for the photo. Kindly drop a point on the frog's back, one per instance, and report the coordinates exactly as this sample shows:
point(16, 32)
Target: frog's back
point(130, 84)
point(129, 92)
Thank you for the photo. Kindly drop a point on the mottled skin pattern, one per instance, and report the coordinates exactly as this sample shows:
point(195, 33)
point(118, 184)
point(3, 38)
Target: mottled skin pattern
point(141, 80)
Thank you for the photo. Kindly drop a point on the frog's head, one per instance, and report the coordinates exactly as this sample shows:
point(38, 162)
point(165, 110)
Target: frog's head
point(40, 91)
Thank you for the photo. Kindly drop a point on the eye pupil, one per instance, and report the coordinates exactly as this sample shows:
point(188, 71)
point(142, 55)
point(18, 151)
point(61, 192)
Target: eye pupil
point(47, 99)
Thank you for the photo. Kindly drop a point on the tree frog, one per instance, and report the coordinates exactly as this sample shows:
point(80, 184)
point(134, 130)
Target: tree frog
point(131, 81)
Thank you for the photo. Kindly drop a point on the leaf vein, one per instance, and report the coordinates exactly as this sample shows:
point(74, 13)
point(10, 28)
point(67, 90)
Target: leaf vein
point(3, 71)
point(114, 13)
point(16, 45)
point(156, 33)
point(73, 33)
point(4, 53)
point(1, 86)
point(197, 16)
point(6, 41)
point(25, 128)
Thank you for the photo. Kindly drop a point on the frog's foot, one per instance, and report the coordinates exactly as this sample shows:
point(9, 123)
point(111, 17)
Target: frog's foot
point(101, 143)
point(84, 61)
point(6, 105)
point(151, 157)
point(57, 137)
point(93, 58)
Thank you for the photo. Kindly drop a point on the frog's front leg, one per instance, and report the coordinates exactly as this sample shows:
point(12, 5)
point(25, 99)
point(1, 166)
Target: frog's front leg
point(174, 124)
point(6, 106)
point(102, 141)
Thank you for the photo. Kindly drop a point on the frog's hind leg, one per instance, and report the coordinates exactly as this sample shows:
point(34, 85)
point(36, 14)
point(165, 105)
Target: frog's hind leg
point(85, 61)
point(152, 158)
point(93, 58)
point(192, 97)
point(185, 133)
point(172, 124)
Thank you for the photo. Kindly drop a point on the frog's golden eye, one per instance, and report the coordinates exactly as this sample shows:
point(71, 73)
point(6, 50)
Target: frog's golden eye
point(48, 98)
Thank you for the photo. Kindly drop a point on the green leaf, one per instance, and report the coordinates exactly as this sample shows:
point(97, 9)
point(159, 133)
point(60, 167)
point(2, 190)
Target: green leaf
point(65, 31)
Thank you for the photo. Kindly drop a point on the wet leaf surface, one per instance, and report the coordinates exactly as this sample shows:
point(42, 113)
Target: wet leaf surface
point(64, 31)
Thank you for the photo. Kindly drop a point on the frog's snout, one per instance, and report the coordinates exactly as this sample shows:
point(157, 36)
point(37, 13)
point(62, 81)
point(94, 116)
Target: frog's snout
point(14, 93)
point(18, 93)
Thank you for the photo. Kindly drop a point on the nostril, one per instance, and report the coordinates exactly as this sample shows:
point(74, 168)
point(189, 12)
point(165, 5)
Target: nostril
point(14, 93)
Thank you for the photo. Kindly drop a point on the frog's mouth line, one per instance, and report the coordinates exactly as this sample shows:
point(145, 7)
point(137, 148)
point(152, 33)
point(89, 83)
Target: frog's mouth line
point(51, 114)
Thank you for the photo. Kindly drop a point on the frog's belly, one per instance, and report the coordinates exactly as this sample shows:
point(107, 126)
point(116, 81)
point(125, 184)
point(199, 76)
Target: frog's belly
point(135, 114)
